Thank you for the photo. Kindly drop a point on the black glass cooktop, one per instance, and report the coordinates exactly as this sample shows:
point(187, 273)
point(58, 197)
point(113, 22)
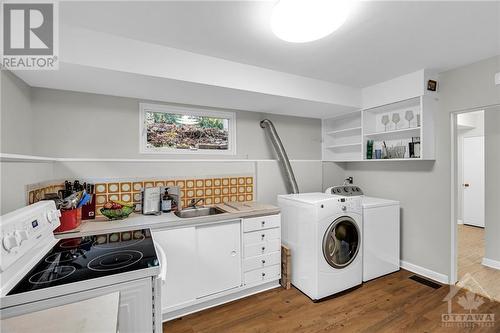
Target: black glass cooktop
point(84, 258)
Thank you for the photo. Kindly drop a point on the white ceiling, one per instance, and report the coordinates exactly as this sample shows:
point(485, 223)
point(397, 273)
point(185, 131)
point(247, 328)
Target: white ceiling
point(381, 40)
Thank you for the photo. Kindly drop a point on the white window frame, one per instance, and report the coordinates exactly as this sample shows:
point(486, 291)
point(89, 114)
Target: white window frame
point(147, 107)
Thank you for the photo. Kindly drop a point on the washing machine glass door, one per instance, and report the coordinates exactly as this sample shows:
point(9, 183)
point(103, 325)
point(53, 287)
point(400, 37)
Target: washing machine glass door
point(341, 242)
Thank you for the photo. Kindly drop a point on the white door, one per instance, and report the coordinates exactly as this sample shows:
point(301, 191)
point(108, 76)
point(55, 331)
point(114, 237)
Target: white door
point(218, 258)
point(179, 246)
point(473, 181)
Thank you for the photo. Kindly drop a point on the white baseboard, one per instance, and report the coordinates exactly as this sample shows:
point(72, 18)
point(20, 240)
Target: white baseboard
point(460, 221)
point(441, 278)
point(491, 263)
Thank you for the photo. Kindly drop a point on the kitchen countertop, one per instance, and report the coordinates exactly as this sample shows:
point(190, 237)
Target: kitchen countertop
point(170, 220)
point(99, 314)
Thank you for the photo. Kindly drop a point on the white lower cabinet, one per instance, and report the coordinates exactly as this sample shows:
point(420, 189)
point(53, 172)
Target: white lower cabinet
point(261, 249)
point(263, 274)
point(179, 246)
point(209, 263)
point(262, 261)
point(218, 258)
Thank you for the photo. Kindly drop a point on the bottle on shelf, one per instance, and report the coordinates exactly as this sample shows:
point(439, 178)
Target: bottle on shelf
point(166, 202)
point(369, 149)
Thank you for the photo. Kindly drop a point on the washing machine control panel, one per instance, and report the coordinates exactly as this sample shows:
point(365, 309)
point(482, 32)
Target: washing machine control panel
point(349, 204)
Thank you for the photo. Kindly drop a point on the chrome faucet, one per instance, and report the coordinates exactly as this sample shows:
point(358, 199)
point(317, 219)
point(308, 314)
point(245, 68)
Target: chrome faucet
point(194, 202)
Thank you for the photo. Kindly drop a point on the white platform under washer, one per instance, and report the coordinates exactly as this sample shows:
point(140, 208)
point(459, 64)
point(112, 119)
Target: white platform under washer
point(323, 233)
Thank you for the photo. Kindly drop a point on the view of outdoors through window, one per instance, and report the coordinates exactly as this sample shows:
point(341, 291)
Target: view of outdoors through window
point(178, 131)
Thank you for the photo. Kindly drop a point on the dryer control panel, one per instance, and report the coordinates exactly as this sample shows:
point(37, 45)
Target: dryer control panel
point(346, 191)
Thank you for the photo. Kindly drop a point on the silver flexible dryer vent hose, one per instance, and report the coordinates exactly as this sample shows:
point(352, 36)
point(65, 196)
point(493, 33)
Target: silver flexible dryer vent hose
point(291, 183)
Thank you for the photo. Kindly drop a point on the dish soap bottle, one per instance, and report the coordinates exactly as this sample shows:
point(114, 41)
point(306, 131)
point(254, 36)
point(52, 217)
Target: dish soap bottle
point(166, 202)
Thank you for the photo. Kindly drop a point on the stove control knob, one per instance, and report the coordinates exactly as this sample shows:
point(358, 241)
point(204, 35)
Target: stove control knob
point(21, 236)
point(53, 215)
point(9, 242)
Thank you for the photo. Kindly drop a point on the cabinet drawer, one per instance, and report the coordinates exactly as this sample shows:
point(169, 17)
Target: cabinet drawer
point(263, 274)
point(262, 248)
point(261, 236)
point(260, 223)
point(266, 260)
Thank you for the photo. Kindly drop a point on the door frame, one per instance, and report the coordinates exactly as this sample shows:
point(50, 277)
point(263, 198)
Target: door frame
point(455, 184)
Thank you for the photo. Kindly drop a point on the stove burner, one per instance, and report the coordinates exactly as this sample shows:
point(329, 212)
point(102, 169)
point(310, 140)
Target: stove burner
point(114, 260)
point(75, 243)
point(63, 256)
point(52, 274)
point(119, 245)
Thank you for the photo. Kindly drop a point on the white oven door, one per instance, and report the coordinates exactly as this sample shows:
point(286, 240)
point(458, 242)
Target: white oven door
point(136, 312)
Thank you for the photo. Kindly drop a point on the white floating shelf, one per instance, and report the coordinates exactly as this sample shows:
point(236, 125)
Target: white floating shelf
point(340, 132)
point(6, 157)
point(395, 159)
point(344, 145)
point(346, 130)
point(415, 130)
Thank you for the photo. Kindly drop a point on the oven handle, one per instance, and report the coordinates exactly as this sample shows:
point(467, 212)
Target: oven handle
point(163, 262)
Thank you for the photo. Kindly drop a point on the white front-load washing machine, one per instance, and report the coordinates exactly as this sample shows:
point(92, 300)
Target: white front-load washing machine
point(323, 233)
point(381, 232)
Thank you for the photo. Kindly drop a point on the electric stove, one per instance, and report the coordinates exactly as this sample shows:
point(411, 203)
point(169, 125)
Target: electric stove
point(84, 258)
point(38, 271)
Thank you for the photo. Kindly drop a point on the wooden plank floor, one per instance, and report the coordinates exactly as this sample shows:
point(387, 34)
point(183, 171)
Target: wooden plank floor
point(470, 256)
point(393, 303)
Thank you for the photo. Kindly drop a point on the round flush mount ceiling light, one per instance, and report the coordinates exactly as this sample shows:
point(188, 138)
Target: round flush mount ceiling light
point(300, 21)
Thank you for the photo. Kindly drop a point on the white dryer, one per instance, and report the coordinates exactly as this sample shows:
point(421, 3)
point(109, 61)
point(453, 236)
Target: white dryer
point(323, 233)
point(381, 234)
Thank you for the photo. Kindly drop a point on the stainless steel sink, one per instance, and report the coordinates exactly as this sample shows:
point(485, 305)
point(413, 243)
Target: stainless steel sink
point(199, 211)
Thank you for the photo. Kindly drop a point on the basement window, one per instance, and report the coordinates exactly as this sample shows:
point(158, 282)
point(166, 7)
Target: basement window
point(178, 130)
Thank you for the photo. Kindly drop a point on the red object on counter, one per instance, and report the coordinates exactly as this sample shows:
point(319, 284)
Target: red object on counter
point(70, 219)
point(88, 210)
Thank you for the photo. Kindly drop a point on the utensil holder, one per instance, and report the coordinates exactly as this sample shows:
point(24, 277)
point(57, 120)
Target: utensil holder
point(70, 219)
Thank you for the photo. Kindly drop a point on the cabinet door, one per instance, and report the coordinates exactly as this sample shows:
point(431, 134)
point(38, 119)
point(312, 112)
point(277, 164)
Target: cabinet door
point(179, 246)
point(219, 258)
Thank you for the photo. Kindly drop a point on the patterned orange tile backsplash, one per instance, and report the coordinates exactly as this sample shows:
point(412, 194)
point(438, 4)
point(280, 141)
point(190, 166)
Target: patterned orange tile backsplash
point(212, 190)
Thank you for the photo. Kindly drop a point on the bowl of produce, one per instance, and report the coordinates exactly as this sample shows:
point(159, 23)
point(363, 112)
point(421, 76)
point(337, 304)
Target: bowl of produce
point(117, 210)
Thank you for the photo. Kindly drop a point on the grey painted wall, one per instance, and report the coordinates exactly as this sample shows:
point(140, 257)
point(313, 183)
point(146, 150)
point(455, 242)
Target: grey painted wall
point(16, 116)
point(72, 124)
point(333, 174)
point(16, 136)
point(15, 176)
point(268, 180)
point(423, 188)
point(492, 189)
